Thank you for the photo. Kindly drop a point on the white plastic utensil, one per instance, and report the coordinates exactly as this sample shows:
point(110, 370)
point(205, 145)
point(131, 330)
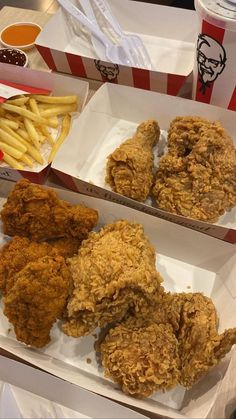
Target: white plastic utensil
point(88, 10)
point(114, 53)
point(133, 43)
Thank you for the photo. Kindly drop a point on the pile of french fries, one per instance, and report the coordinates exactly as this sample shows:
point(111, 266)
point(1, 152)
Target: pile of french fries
point(26, 123)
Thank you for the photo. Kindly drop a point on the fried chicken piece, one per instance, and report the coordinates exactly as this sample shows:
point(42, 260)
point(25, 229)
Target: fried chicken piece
point(66, 246)
point(200, 345)
point(114, 270)
point(174, 341)
point(15, 255)
point(129, 168)
point(37, 213)
point(197, 177)
point(141, 356)
point(37, 299)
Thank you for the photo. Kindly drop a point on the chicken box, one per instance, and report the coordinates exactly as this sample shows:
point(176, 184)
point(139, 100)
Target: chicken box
point(188, 262)
point(32, 81)
point(112, 116)
point(38, 394)
point(168, 34)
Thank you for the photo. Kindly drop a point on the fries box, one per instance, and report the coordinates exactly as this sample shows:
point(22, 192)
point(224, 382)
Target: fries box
point(58, 85)
point(188, 262)
point(111, 117)
point(39, 394)
point(168, 34)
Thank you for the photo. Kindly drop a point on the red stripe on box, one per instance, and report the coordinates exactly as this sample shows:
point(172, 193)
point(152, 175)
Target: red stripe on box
point(232, 103)
point(2, 99)
point(28, 89)
point(47, 56)
point(39, 177)
point(66, 179)
point(141, 78)
point(174, 83)
point(230, 236)
point(76, 65)
point(204, 94)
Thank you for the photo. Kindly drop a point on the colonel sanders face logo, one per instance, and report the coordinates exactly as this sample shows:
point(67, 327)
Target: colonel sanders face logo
point(108, 72)
point(211, 59)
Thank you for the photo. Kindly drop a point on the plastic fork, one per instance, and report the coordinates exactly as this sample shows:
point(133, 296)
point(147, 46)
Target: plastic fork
point(88, 10)
point(133, 43)
point(115, 53)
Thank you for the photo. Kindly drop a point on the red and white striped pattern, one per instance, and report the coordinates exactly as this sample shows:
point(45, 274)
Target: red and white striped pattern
point(135, 77)
point(10, 89)
point(222, 91)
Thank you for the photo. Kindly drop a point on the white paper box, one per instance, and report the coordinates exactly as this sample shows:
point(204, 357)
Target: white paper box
point(59, 85)
point(37, 392)
point(189, 262)
point(111, 117)
point(167, 32)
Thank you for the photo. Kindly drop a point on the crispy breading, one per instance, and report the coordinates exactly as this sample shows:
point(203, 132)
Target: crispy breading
point(141, 356)
point(114, 270)
point(15, 255)
point(37, 213)
point(197, 176)
point(37, 298)
point(129, 169)
point(65, 246)
point(200, 345)
point(172, 342)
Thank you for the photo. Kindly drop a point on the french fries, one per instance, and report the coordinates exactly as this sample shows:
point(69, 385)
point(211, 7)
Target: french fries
point(28, 123)
point(65, 128)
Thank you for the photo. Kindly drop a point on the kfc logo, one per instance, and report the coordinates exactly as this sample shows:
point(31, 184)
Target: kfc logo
point(108, 72)
point(211, 59)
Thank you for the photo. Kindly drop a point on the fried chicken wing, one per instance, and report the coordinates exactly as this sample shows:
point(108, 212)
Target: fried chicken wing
point(129, 168)
point(194, 320)
point(37, 213)
point(15, 255)
point(141, 356)
point(114, 271)
point(37, 299)
point(200, 345)
point(174, 342)
point(197, 176)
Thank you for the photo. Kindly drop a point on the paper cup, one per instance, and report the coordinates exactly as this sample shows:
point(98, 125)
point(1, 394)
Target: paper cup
point(214, 74)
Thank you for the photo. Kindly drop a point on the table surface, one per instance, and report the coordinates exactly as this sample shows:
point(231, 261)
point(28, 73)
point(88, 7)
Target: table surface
point(226, 401)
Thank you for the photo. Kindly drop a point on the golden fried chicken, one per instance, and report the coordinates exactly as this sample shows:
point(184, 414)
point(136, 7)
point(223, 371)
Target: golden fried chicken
point(197, 176)
point(37, 213)
point(174, 341)
point(37, 299)
point(141, 356)
point(15, 255)
point(129, 168)
point(114, 271)
point(200, 345)
point(194, 320)
point(65, 246)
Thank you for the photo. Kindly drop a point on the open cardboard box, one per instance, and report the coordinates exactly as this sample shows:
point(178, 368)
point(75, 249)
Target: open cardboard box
point(167, 32)
point(112, 116)
point(188, 261)
point(38, 394)
point(58, 85)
